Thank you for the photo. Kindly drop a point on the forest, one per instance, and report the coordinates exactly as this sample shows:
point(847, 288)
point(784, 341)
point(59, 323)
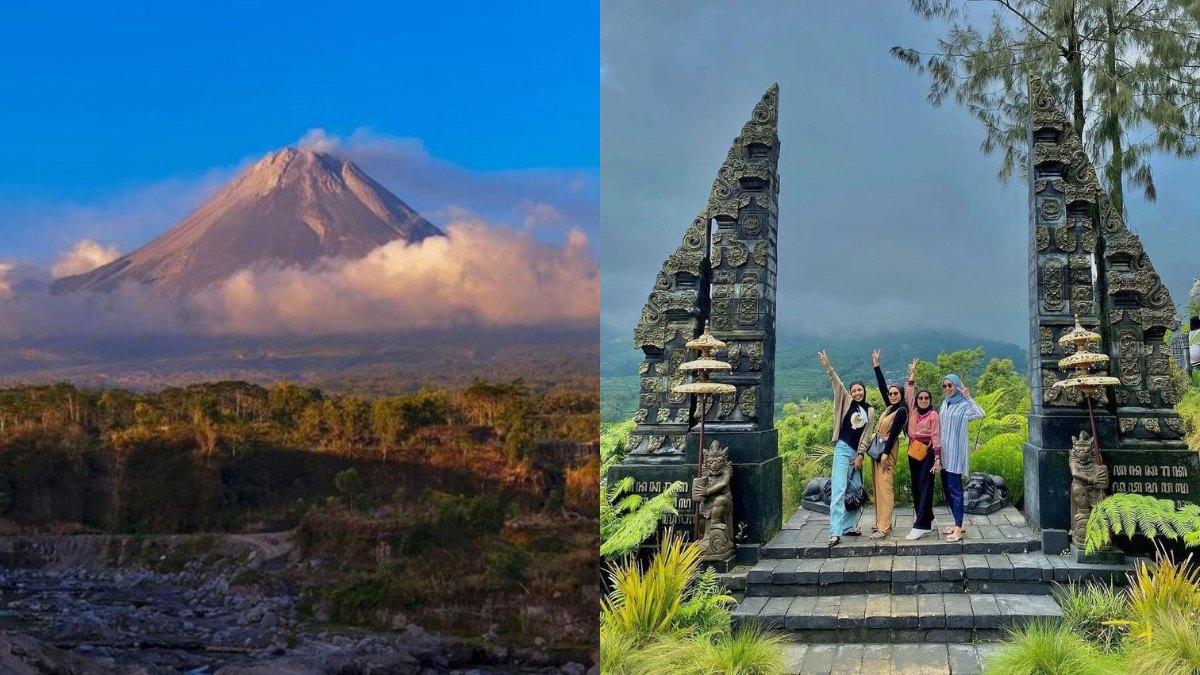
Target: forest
point(467, 510)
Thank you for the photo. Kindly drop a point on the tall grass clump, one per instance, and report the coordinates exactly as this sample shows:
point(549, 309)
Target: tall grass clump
point(1041, 647)
point(745, 651)
point(1089, 610)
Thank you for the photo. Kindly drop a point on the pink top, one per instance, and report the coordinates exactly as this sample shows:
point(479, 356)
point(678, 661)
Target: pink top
point(923, 426)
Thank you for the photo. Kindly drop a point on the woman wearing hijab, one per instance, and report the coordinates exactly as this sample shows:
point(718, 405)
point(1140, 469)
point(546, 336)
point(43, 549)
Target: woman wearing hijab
point(924, 446)
point(892, 422)
point(852, 420)
point(958, 408)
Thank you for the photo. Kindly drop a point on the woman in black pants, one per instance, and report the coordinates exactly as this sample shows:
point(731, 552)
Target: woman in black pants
point(924, 446)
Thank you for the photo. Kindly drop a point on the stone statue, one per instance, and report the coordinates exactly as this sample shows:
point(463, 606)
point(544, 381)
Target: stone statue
point(1089, 480)
point(985, 493)
point(714, 503)
point(817, 495)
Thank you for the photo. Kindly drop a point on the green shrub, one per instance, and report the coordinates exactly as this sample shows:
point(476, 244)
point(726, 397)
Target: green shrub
point(1087, 609)
point(1189, 409)
point(1004, 457)
point(746, 651)
point(1040, 647)
point(1172, 646)
point(617, 650)
point(646, 603)
point(505, 565)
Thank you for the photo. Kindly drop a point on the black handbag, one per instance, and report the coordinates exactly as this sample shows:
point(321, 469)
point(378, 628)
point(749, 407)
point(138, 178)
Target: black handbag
point(877, 449)
point(856, 498)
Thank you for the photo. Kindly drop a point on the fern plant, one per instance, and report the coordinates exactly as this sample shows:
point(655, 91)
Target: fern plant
point(1130, 514)
point(706, 611)
point(627, 519)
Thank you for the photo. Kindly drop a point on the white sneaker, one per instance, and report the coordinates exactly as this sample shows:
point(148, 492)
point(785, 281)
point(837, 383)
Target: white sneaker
point(915, 534)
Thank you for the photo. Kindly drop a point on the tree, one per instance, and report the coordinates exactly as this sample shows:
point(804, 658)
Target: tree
point(1127, 70)
point(964, 363)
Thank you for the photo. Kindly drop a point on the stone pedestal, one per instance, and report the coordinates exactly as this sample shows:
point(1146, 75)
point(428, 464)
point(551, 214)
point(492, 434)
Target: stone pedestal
point(757, 482)
point(1105, 556)
point(720, 566)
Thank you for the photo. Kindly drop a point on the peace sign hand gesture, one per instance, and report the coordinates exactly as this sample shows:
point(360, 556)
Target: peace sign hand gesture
point(912, 368)
point(875, 358)
point(824, 359)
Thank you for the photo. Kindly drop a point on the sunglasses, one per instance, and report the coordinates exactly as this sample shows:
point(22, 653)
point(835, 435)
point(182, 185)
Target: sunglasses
point(947, 386)
point(893, 393)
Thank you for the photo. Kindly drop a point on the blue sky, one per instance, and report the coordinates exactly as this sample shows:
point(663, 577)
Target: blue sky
point(123, 105)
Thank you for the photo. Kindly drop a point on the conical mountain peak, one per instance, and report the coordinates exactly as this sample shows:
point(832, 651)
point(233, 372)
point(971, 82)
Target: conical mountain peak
point(292, 207)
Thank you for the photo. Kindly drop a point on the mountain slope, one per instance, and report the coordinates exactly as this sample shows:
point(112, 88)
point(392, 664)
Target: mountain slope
point(293, 207)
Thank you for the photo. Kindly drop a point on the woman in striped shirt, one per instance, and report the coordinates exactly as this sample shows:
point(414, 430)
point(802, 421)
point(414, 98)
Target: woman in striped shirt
point(957, 410)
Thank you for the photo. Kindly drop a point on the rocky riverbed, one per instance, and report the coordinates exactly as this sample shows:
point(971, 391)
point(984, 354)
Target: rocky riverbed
point(72, 615)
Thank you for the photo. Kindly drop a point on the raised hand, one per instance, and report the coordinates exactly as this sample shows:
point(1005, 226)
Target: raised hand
point(966, 391)
point(875, 358)
point(824, 359)
point(912, 368)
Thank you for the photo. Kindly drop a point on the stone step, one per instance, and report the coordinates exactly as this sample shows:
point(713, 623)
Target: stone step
point(1022, 573)
point(878, 617)
point(883, 658)
point(783, 546)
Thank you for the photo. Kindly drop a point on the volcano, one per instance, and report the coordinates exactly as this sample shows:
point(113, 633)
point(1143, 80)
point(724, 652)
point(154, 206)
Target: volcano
point(291, 208)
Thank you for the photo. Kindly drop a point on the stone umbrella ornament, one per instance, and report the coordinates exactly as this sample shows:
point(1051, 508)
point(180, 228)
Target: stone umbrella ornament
point(1083, 380)
point(702, 388)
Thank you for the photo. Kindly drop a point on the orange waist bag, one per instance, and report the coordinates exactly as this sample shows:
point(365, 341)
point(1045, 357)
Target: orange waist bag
point(917, 450)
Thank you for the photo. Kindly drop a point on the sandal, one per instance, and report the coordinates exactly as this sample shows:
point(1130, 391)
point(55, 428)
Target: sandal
point(834, 541)
point(879, 535)
point(954, 537)
point(853, 533)
point(950, 530)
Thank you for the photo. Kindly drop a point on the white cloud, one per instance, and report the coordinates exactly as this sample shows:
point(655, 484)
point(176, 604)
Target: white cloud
point(85, 256)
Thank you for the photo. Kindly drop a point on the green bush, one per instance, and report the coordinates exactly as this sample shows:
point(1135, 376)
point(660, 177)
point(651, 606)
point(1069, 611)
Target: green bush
point(746, 651)
point(1088, 609)
point(1042, 647)
point(1189, 409)
point(1003, 456)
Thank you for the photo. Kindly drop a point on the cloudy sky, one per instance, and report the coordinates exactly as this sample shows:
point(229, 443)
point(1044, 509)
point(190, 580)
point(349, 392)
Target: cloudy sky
point(122, 118)
point(886, 202)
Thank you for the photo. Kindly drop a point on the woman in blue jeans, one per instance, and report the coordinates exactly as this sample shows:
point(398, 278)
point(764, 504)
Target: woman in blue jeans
point(852, 420)
point(958, 409)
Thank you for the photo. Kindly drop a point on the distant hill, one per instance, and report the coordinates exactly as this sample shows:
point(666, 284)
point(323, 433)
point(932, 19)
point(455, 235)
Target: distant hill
point(362, 364)
point(798, 373)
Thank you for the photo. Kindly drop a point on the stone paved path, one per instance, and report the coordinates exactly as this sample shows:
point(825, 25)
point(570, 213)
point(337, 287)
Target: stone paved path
point(884, 659)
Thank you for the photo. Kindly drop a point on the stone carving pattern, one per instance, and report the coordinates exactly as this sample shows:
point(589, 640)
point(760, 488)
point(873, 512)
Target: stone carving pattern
point(755, 352)
point(1046, 338)
point(748, 403)
point(1129, 350)
point(1052, 285)
point(1043, 238)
